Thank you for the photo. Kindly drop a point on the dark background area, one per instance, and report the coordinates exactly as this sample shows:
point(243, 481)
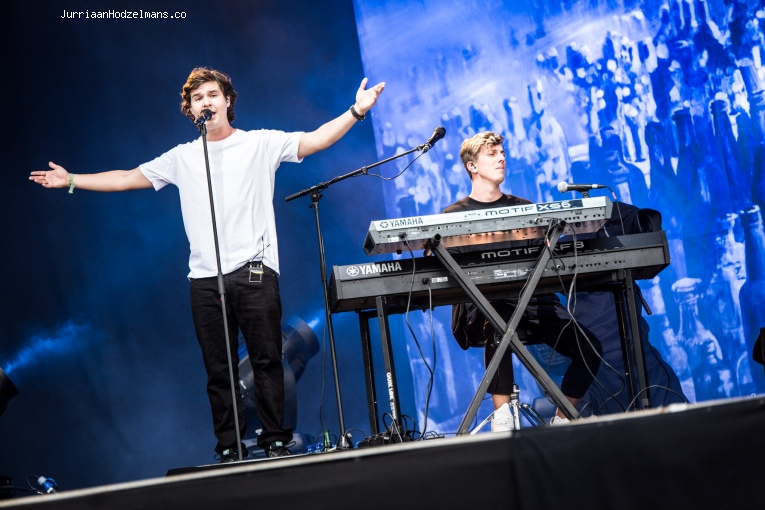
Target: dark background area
point(95, 310)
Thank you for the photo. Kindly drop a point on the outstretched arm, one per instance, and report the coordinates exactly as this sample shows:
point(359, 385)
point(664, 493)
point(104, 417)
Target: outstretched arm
point(333, 130)
point(113, 180)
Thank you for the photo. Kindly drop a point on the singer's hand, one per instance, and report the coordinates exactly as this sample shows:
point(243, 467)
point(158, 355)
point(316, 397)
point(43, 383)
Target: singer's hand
point(366, 98)
point(55, 178)
point(312, 142)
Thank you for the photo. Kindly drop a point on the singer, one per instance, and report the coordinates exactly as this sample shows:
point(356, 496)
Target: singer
point(244, 163)
point(544, 320)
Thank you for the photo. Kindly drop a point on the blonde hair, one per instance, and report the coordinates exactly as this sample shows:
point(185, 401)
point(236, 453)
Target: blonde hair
point(472, 147)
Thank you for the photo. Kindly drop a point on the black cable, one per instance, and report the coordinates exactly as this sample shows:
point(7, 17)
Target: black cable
point(406, 421)
point(24, 489)
point(414, 336)
point(445, 434)
point(668, 390)
point(411, 432)
point(398, 174)
point(664, 368)
point(396, 429)
point(584, 407)
point(603, 361)
point(353, 428)
point(571, 298)
point(546, 241)
point(619, 375)
point(546, 244)
point(618, 211)
point(432, 370)
point(348, 433)
point(31, 488)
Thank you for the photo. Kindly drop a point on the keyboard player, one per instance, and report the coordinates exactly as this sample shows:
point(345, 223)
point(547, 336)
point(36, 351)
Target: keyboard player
point(545, 320)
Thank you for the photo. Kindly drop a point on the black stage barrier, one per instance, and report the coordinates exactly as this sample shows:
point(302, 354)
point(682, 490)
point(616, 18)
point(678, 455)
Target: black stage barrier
point(705, 456)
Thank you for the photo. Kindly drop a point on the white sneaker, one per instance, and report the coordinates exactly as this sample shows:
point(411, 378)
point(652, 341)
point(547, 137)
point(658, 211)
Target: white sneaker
point(502, 421)
point(557, 421)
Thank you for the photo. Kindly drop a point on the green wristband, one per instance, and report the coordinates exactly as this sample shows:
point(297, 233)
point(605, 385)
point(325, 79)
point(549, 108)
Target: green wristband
point(71, 183)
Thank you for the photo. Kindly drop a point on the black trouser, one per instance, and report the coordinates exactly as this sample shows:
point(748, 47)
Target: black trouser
point(546, 321)
point(256, 310)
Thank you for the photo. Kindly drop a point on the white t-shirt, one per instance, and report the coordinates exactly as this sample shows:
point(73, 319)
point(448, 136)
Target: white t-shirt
point(242, 169)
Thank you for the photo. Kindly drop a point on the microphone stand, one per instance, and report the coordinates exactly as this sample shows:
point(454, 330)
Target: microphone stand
point(222, 291)
point(316, 195)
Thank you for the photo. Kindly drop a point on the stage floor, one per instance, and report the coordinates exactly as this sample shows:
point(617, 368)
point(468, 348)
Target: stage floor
point(683, 456)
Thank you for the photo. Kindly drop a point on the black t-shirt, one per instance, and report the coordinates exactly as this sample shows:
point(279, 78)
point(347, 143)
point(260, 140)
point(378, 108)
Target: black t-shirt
point(469, 204)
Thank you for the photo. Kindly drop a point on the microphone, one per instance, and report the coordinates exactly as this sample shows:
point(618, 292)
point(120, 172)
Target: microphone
point(436, 136)
point(204, 116)
point(565, 187)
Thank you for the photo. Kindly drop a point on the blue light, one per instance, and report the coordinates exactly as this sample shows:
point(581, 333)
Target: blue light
point(313, 323)
point(67, 338)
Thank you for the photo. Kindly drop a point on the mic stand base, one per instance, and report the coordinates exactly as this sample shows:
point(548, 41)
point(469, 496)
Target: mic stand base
point(343, 443)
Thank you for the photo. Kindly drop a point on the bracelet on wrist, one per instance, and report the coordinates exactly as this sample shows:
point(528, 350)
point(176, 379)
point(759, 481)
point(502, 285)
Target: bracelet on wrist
point(70, 180)
point(356, 114)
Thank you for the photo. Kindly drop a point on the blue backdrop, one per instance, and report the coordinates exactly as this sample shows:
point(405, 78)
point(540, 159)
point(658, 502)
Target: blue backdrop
point(95, 328)
point(662, 101)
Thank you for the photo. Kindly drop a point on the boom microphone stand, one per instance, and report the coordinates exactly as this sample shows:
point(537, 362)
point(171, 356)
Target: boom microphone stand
point(316, 195)
point(200, 121)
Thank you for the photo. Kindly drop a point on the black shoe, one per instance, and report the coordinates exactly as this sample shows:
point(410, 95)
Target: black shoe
point(277, 449)
point(231, 455)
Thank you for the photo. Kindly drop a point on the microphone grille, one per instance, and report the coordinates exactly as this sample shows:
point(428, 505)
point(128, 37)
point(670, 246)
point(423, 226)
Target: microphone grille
point(563, 187)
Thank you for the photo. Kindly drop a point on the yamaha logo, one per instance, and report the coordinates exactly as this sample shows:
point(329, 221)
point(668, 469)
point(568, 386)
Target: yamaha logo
point(373, 269)
point(400, 223)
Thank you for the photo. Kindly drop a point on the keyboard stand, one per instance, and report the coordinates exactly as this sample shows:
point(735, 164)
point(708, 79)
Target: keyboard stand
point(619, 281)
point(510, 338)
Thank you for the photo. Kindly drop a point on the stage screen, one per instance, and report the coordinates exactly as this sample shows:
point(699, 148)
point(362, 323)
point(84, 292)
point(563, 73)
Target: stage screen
point(660, 101)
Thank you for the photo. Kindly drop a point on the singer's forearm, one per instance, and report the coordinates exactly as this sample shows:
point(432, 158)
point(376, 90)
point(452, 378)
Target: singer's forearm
point(332, 131)
point(326, 135)
point(113, 180)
